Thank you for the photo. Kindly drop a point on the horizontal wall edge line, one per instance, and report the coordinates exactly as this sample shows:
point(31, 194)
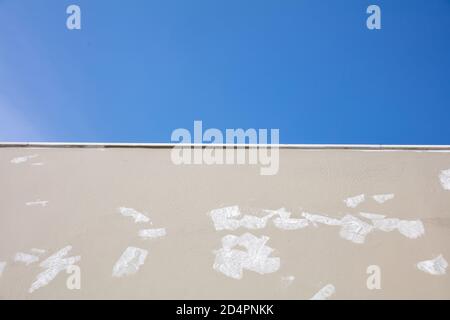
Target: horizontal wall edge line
point(171, 145)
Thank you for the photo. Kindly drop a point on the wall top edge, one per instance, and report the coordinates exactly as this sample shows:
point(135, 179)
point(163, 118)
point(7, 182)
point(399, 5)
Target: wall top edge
point(171, 145)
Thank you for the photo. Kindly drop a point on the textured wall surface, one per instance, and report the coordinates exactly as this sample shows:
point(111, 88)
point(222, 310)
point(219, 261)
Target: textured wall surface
point(65, 207)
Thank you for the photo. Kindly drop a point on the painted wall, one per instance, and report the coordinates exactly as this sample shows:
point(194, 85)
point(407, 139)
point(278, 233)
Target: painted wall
point(128, 223)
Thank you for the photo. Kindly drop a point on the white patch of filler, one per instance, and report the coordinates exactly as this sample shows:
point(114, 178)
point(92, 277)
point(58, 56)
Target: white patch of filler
point(436, 266)
point(386, 225)
point(382, 198)
point(353, 202)
point(354, 229)
point(288, 280)
point(152, 233)
point(2, 267)
point(285, 222)
point(129, 262)
point(224, 219)
point(324, 293)
point(445, 179)
point(317, 218)
point(25, 258)
point(136, 215)
point(372, 216)
point(410, 229)
point(41, 203)
point(23, 159)
point(231, 262)
point(53, 265)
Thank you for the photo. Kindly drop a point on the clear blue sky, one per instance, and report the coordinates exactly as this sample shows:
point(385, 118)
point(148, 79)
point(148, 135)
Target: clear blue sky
point(139, 69)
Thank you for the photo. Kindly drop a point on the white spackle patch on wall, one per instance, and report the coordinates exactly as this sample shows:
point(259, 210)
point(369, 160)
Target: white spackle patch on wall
point(288, 280)
point(224, 219)
point(2, 267)
point(152, 233)
point(285, 222)
point(53, 265)
point(324, 293)
point(445, 179)
point(129, 262)
point(372, 216)
point(42, 203)
point(317, 218)
point(382, 198)
point(353, 202)
point(136, 215)
point(231, 262)
point(23, 159)
point(410, 229)
point(354, 229)
point(25, 258)
point(436, 266)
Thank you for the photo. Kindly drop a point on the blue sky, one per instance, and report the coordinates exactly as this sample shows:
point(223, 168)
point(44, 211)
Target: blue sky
point(139, 69)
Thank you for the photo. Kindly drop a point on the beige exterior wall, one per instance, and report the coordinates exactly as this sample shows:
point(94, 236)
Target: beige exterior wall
point(85, 187)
